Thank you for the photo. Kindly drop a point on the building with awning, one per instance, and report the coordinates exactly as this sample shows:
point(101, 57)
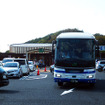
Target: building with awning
point(34, 51)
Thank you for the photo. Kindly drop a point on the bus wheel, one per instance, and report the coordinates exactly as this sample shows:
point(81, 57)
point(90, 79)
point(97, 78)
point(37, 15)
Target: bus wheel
point(92, 84)
point(60, 83)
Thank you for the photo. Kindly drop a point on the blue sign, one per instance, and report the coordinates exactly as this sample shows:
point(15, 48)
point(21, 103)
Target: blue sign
point(102, 48)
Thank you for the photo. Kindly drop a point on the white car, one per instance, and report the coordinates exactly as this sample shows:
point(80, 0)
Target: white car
point(23, 64)
point(31, 65)
point(100, 63)
point(13, 69)
point(7, 60)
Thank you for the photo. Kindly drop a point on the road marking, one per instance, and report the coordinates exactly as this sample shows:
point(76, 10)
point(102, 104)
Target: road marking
point(42, 76)
point(23, 78)
point(66, 92)
point(32, 77)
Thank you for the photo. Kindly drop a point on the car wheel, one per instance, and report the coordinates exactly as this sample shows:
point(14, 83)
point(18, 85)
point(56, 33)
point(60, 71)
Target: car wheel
point(19, 76)
point(100, 70)
point(92, 85)
point(28, 73)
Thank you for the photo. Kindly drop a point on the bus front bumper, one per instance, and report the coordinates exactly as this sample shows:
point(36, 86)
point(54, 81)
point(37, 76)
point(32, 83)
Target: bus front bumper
point(75, 80)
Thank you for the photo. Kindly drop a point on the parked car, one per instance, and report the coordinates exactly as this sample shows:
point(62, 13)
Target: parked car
point(100, 64)
point(31, 65)
point(13, 69)
point(23, 64)
point(7, 60)
point(4, 81)
point(52, 68)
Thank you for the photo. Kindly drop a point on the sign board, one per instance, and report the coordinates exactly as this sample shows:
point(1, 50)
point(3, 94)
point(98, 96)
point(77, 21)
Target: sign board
point(41, 50)
point(102, 48)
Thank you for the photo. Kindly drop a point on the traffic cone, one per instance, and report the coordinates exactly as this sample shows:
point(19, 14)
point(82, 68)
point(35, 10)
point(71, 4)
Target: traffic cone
point(45, 69)
point(37, 66)
point(38, 72)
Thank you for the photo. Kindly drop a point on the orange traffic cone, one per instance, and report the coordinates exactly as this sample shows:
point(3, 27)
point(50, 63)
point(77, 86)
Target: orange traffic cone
point(45, 69)
point(37, 66)
point(38, 72)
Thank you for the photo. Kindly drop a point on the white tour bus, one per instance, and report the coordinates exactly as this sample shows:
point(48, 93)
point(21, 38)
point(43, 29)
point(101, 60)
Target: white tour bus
point(74, 58)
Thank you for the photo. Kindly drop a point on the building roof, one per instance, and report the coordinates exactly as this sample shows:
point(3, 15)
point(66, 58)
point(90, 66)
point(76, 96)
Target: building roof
point(32, 45)
point(77, 35)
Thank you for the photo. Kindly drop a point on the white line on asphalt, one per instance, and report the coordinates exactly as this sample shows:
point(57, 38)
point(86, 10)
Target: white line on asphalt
point(68, 91)
point(41, 76)
point(36, 77)
point(23, 78)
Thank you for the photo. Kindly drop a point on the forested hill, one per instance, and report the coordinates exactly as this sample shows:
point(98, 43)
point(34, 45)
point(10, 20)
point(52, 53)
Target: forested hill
point(49, 38)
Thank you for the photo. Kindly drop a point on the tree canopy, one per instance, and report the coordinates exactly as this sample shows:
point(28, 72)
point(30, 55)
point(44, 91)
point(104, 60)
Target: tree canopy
point(50, 37)
point(100, 38)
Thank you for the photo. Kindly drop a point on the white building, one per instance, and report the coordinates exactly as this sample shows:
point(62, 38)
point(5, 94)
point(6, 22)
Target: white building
point(24, 48)
point(34, 51)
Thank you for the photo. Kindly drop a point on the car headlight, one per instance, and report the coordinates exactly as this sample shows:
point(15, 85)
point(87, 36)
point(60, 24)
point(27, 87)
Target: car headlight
point(4, 76)
point(15, 71)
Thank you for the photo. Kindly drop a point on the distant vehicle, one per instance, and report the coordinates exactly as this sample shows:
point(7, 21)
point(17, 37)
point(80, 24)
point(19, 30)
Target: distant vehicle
point(4, 81)
point(100, 64)
point(7, 60)
point(52, 68)
point(13, 69)
point(31, 65)
point(23, 64)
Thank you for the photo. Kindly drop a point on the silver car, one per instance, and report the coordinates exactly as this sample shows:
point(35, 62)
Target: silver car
point(31, 65)
point(100, 64)
point(13, 69)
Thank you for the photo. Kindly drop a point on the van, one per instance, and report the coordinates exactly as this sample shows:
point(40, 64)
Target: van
point(23, 65)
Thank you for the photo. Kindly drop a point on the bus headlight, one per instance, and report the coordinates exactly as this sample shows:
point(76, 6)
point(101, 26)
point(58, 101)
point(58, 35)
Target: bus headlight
point(90, 76)
point(58, 75)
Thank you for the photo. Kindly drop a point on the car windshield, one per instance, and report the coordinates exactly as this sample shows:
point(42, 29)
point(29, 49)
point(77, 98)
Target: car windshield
point(75, 52)
point(7, 60)
point(10, 65)
point(102, 62)
point(30, 63)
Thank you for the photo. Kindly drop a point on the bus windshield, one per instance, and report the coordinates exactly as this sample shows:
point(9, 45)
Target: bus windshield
point(75, 52)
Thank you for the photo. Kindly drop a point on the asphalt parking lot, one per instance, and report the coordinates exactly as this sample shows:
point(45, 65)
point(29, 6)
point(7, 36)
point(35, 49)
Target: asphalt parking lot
point(42, 90)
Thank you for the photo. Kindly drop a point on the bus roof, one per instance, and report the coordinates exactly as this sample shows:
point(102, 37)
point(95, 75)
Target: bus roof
point(76, 35)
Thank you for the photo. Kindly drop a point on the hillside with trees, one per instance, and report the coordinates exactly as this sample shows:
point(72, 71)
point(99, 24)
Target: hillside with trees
point(50, 37)
point(100, 38)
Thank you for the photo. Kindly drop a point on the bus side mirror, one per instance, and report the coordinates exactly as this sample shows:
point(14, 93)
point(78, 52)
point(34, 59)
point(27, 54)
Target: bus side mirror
point(97, 50)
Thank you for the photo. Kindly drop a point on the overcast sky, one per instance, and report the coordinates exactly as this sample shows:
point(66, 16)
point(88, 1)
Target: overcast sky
point(23, 20)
